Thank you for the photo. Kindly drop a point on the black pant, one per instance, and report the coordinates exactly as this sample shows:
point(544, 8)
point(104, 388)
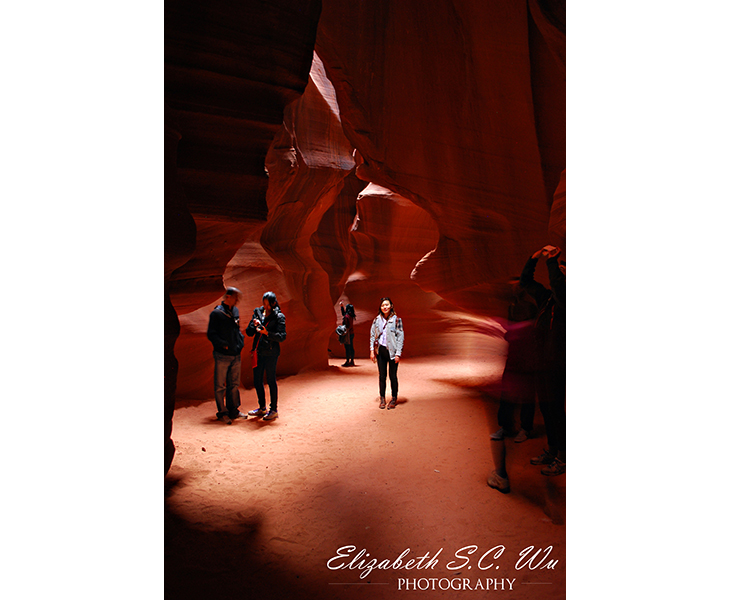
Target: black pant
point(268, 364)
point(506, 417)
point(383, 361)
point(551, 396)
point(518, 389)
point(350, 349)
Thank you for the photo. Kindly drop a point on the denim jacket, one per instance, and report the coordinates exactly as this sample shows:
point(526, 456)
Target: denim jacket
point(393, 335)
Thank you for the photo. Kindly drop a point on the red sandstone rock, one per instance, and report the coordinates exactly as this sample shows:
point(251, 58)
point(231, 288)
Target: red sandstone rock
point(438, 98)
point(388, 237)
point(308, 160)
point(230, 69)
point(457, 113)
point(557, 215)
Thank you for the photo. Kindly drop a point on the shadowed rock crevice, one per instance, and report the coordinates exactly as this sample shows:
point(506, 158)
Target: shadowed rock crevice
point(230, 70)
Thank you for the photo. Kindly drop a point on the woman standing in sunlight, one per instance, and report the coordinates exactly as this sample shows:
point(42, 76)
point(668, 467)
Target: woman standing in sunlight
point(386, 346)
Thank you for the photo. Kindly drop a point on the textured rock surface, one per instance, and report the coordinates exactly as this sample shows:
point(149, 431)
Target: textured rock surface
point(458, 106)
point(389, 236)
point(456, 109)
point(179, 247)
point(307, 163)
point(230, 69)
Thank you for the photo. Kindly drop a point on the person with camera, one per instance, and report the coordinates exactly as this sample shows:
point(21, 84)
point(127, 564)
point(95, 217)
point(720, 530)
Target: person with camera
point(550, 335)
point(348, 322)
point(268, 328)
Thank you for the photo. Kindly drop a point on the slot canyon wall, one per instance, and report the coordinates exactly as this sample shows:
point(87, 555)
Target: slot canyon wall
point(344, 151)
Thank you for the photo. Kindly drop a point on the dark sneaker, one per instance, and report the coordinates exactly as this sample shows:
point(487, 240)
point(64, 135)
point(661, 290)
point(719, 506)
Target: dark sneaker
point(544, 459)
point(392, 403)
point(557, 467)
point(259, 412)
point(226, 419)
point(382, 403)
point(240, 415)
point(498, 483)
point(271, 415)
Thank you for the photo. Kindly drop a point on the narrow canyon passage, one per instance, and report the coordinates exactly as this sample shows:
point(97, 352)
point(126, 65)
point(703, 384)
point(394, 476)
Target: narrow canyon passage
point(257, 509)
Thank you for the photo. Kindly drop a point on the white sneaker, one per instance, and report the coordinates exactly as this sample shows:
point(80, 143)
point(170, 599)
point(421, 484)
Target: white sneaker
point(498, 483)
point(522, 435)
point(557, 467)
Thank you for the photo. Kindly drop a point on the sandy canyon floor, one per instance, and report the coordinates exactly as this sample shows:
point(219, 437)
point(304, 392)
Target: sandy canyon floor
point(261, 509)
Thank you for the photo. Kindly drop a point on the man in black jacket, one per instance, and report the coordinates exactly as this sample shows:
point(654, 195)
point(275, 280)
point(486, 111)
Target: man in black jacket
point(550, 338)
point(227, 339)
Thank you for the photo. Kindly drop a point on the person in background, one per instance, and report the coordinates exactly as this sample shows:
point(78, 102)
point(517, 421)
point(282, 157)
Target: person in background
point(268, 328)
point(225, 335)
point(386, 346)
point(348, 320)
point(550, 360)
point(518, 383)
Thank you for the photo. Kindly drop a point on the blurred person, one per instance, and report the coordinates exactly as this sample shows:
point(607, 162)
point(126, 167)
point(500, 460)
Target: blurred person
point(550, 346)
point(268, 328)
point(386, 346)
point(518, 381)
point(348, 320)
point(225, 334)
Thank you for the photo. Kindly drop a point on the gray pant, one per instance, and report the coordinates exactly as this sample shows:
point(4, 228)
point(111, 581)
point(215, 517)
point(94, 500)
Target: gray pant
point(226, 378)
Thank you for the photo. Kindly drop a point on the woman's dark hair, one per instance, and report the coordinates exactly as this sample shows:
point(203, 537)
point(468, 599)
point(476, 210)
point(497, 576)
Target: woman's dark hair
point(271, 297)
point(392, 308)
point(350, 310)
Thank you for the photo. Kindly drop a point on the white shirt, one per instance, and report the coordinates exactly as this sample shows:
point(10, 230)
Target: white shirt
point(382, 341)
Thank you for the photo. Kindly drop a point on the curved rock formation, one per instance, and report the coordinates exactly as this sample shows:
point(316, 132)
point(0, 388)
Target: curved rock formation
point(456, 111)
point(307, 163)
point(442, 101)
point(389, 235)
point(230, 69)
